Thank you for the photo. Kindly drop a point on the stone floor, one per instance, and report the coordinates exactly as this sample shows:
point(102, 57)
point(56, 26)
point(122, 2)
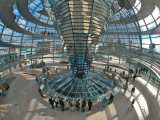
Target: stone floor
point(23, 102)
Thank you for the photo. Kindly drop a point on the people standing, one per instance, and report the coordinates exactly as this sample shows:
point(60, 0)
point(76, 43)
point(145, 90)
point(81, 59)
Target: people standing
point(136, 71)
point(132, 90)
point(1, 92)
point(47, 69)
point(67, 104)
point(111, 98)
point(83, 105)
point(4, 86)
point(51, 101)
point(110, 70)
point(123, 73)
point(62, 105)
point(104, 102)
point(60, 102)
point(14, 16)
point(72, 104)
point(56, 101)
point(107, 68)
point(89, 104)
point(78, 104)
point(131, 106)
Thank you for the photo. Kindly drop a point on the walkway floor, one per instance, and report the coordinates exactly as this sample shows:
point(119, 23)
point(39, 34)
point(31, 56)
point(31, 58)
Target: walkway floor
point(23, 102)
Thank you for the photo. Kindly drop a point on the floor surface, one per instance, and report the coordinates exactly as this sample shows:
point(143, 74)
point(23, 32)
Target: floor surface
point(23, 102)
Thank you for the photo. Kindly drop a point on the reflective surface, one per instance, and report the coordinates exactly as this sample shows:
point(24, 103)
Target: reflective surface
point(81, 24)
point(95, 85)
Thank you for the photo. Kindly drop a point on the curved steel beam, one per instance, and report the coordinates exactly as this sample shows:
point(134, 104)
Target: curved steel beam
point(22, 6)
point(147, 7)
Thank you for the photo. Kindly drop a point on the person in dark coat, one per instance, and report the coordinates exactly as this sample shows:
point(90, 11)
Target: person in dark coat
point(78, 104)
point(89, 104)
point(60, 102)
point(83, 105)
point(134, 78)
point(125, 88)
point(110, 70)
point(36, 78)
point(7, 86)
point(123, 73)
point(131, 105)
point(51, 101)
point(126, 80)
point(62, 105)
point(132, 90)
point(111, 98)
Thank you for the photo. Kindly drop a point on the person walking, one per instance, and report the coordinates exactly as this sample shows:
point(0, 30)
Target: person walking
point(132, 90)
point(89, 104)
point(36, 78)
point(51, 101)
point(123, 73)
point(126, 79)
point(111, 98)
point(131, 105)
point(40, 92)
point(83, 105)
point(125, 88)
point(134, 78)
point(104, 102)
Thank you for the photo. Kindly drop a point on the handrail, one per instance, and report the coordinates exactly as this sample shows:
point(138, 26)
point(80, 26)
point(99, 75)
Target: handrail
point(49, 92)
